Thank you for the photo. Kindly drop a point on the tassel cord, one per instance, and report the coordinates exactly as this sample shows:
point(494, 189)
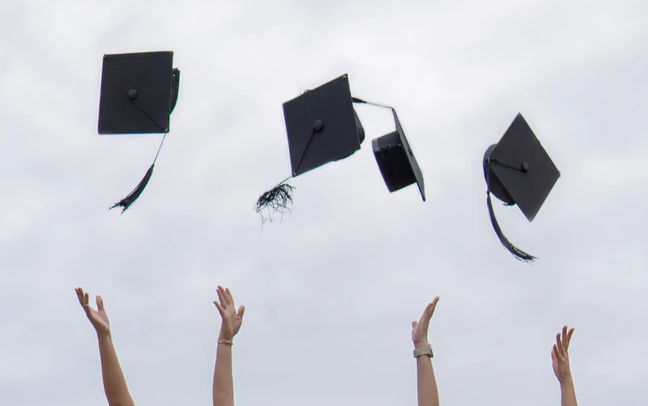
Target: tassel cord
point(516, 252)
point(519, 169)
point(159, 148)
point(149, 116)
point(279, 197)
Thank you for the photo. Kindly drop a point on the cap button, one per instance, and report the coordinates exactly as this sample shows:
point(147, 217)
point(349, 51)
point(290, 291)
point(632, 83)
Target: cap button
point(132, 94)
point(318, 125)
point(525, 167)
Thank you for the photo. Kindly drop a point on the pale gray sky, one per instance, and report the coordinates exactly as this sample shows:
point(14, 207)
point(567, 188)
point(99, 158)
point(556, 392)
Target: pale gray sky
point(331, 291)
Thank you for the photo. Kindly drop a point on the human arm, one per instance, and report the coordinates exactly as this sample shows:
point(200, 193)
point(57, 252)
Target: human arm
point(428, 394)
point(560, 361)
point(223, 387)
point(113, 378)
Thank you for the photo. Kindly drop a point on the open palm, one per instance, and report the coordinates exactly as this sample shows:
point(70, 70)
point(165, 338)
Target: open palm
point(420, 328)
point(232, 319)
point(560, 355)
point(98, 318)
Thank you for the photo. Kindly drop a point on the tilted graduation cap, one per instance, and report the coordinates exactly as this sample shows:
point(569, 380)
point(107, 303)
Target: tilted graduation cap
point(519, 171)
point(322, 127)
point(138, 93)
point(396, 160)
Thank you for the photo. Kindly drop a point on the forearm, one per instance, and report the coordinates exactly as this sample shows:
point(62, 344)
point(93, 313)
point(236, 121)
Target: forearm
point(113, 378)
point(223, 388)
point(428, 394)
point(567, 393)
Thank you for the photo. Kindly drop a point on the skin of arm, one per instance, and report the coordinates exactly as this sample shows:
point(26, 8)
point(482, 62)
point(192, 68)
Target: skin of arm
point(428, 394)
point(560, 362)
point(223, 387)
point(113, 378)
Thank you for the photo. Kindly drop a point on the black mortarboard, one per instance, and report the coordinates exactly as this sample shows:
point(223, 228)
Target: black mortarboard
point(138, 93)
point(322, 127)
point(519, 171)
point(396, 160)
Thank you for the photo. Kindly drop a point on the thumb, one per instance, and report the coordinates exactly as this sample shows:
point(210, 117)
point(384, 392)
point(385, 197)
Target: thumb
point(414, 324)
point(241, 310)
point(100, 304)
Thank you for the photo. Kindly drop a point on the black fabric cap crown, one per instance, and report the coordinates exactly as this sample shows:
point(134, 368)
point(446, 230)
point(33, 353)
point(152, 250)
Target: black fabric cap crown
point(396, 160)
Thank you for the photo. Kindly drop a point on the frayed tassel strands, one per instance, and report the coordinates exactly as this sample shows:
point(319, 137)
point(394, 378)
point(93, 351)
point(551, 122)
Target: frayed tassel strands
point(126, 202)
point(275, 200)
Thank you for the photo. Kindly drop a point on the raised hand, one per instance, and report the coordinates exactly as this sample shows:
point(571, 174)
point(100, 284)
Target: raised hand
point(98, 318)
point(231, 318)
point(420, 328)
point(560, 356)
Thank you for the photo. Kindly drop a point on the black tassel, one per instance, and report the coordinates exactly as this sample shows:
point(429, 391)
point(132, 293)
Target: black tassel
point(517, 253)
point(275, 200)
point(126, 202)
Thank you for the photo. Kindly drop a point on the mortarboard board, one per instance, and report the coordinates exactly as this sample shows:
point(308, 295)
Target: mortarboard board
point(519, 171)
point(396, 160)
point(138, 93)
point(322, 126)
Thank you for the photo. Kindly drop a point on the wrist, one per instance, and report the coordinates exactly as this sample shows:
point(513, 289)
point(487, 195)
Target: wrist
point(566, 381)
point(103, 335)
point(421, 344)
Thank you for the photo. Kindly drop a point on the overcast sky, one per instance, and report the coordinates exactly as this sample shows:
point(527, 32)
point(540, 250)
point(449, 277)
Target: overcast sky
point(330, 291)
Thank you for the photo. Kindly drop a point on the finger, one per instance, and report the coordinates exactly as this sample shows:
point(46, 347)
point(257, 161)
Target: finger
point(557, 354)
point(569, 336)
point(241, 310)
point(554, 357)
point(223, 295)
point(228, 297)
point(427, 313)
point(221, 298)
point(79, 293)
point(414, 324)
point(564, 337)
point(220, 309)
point(86, 299)
point(559, 343)
point(100, 304)
point(433, 305)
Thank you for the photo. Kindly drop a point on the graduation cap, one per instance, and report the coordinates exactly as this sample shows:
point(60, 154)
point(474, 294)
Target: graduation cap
point(519, 171)
point(323, 127)
point(396, 160)
point(138, 93)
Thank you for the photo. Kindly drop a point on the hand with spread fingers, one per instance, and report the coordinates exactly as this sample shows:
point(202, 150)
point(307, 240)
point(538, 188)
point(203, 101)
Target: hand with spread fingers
point(232, 319)
point(427, 391)
point(560, 355)
point(113, 378)
point(223, 385)
point(560, 361)
point(98, 318)
point(420, 328)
